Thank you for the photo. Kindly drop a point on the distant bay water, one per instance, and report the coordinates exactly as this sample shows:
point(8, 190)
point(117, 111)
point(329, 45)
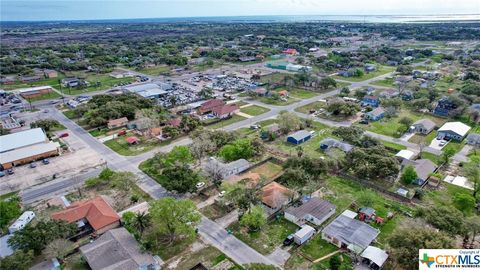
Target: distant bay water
point(298, 18)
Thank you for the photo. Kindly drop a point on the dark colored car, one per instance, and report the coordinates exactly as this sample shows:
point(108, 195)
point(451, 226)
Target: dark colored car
point(10, 171)
point(288, 241)
point(33, 164)
point(63, 135)
point(46, 161)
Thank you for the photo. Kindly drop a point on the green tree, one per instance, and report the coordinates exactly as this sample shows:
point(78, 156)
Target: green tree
point(241, 148)
point(327, 82)
point(409, 175)
point(179, 154)
point(36, 237)
point(335, 262)
point(172, 221)
point(406, 242)
point(407, 122)
point(254, 218)
point(447, 154)
point(472, 172)
point(464, 202)
point(445, 218)
point(45, 124)
point(240, 195)
point(288, 121)
point(180, 178)
point(9, 210)
point(58, 248)
point(19, 260)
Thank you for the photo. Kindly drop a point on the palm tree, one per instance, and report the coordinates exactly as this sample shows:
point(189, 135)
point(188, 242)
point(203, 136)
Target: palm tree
point(141, 222)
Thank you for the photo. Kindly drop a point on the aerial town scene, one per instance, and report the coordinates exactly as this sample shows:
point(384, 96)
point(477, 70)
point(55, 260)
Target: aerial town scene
point(214, 134)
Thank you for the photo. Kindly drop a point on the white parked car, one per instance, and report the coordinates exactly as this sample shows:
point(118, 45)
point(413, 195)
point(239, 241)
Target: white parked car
point(200, 184)
point(221, 194)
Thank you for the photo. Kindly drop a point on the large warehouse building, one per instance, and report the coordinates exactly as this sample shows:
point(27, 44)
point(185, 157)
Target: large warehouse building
point(26, 146)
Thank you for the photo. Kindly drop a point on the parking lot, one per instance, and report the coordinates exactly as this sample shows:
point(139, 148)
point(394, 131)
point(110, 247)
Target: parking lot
point(79, 158)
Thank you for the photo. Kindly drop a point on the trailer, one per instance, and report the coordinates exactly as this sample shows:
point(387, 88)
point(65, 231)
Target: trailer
point(302, 235)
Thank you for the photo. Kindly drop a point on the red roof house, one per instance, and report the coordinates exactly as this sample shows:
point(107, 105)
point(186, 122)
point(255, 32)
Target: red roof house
point(209, 105)
point(132, 140)
point(283, 93)
point(290, 51)
point(175, 122)
point(275, 195)
point(225, 110)
point(97, 212)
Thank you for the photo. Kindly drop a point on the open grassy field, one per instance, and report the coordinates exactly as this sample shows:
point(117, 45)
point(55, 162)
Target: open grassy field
point(278, 102)
point(298, 93)
point(97, 82)
point(420, 138)
point(388, 82)
point(46, 96)
point(154, 71)
point(268, 238)
point(317, 248)
point(394, 146)
point(315, 106)
point(380, 71)
point(254, 110)
point(53, 82)
point(235, 118)
point(442, 85)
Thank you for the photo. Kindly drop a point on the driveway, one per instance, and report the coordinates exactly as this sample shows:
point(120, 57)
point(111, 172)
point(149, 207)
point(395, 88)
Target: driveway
point(435, 144)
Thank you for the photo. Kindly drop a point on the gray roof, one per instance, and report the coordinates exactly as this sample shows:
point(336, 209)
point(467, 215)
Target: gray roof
point(376, 112)
point(115, 249)
point(336, 143)
point(426, 123)
point(473, 137)
point(149, 89)
point(351, 231)
point(376, 255)
point(299, 135)
point(423, 167)
point(227, 169)
point(5, 248)
point(315, 207)
point(21, 139)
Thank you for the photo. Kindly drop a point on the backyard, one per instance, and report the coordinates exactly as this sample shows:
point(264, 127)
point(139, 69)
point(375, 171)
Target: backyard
point(208, 256)
point(266, 239)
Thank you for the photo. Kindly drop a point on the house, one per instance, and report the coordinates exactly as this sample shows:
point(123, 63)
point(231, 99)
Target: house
point(261, 91)
point(29, 79)
point(406, 95)
point(227, 169)
point(116, 123)
point(370, 101)
point(118, 249)
point(150, 90)
point(283, 93)
point(247, 58)
point(299, 137)
point(95, 214)
point(369, 67)
point(392, 63)
point(70, 82)
point(474, 139)
point(25, 146)
point(50, 73)
point(302, 235)
point(405, 155)
point(209, 105)
point(366, 213)
point(21, 222)
point(275, 196)
point(423, 126)
point(226, 110)
point(329, 143)
point(389, 93)
point(270, 131)
point(290, 51)
point(423, 167)
point(35, 91)
point(376, 114)
point(453, 131)
point(51, 264)
point(374, 257)
point(132, 140)
point(315, 211)
point(349, 233)
point(444, 106)
point(175, 122)
point(119, 74)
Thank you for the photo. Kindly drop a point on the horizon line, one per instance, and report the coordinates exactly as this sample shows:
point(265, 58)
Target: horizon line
point(242, 16)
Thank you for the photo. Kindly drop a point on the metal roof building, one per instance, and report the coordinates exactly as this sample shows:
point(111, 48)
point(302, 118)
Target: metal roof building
point(25, 138)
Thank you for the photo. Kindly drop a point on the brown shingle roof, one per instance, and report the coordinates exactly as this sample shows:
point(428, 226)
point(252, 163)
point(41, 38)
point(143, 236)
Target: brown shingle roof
point(96, 211)
point(225, 109)
point(116, 122)
point(212, 103)
point(275, 195)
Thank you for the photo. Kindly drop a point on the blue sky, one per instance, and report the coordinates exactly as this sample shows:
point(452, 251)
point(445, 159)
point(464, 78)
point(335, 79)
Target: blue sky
point(122, 9)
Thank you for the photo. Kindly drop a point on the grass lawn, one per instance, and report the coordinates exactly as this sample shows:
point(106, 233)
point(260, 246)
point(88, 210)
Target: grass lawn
point(167, 252)
point(390, 126)
point(268, 169)
point(278, 102)
point(213, 211)
point(122, 147)
point(97, 82)
point(254, 110)
point(209, 256)
point(380, 71)
point(394, 146)
point(420, 138)
point(325, 264)
point(317, 248)
point(434, 158)
point(266, 239)
point(267, 122)
point(46, 96)
point(155, 71)
point(272, 77)
point(98, 133)
point(298, 92)
point(314, 106)
point(442, 85)
point(455, 146)
point(388, 82)
point(443, 196)
point(53, 82)
point(70, 114)
point(235, 118)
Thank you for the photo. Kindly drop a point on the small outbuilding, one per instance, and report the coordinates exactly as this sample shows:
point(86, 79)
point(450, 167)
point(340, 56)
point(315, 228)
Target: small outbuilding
point(374, 257)
point(22, 221)
point(405, 155)
point(303, 235)
point(116, 123)
point(299, 137)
